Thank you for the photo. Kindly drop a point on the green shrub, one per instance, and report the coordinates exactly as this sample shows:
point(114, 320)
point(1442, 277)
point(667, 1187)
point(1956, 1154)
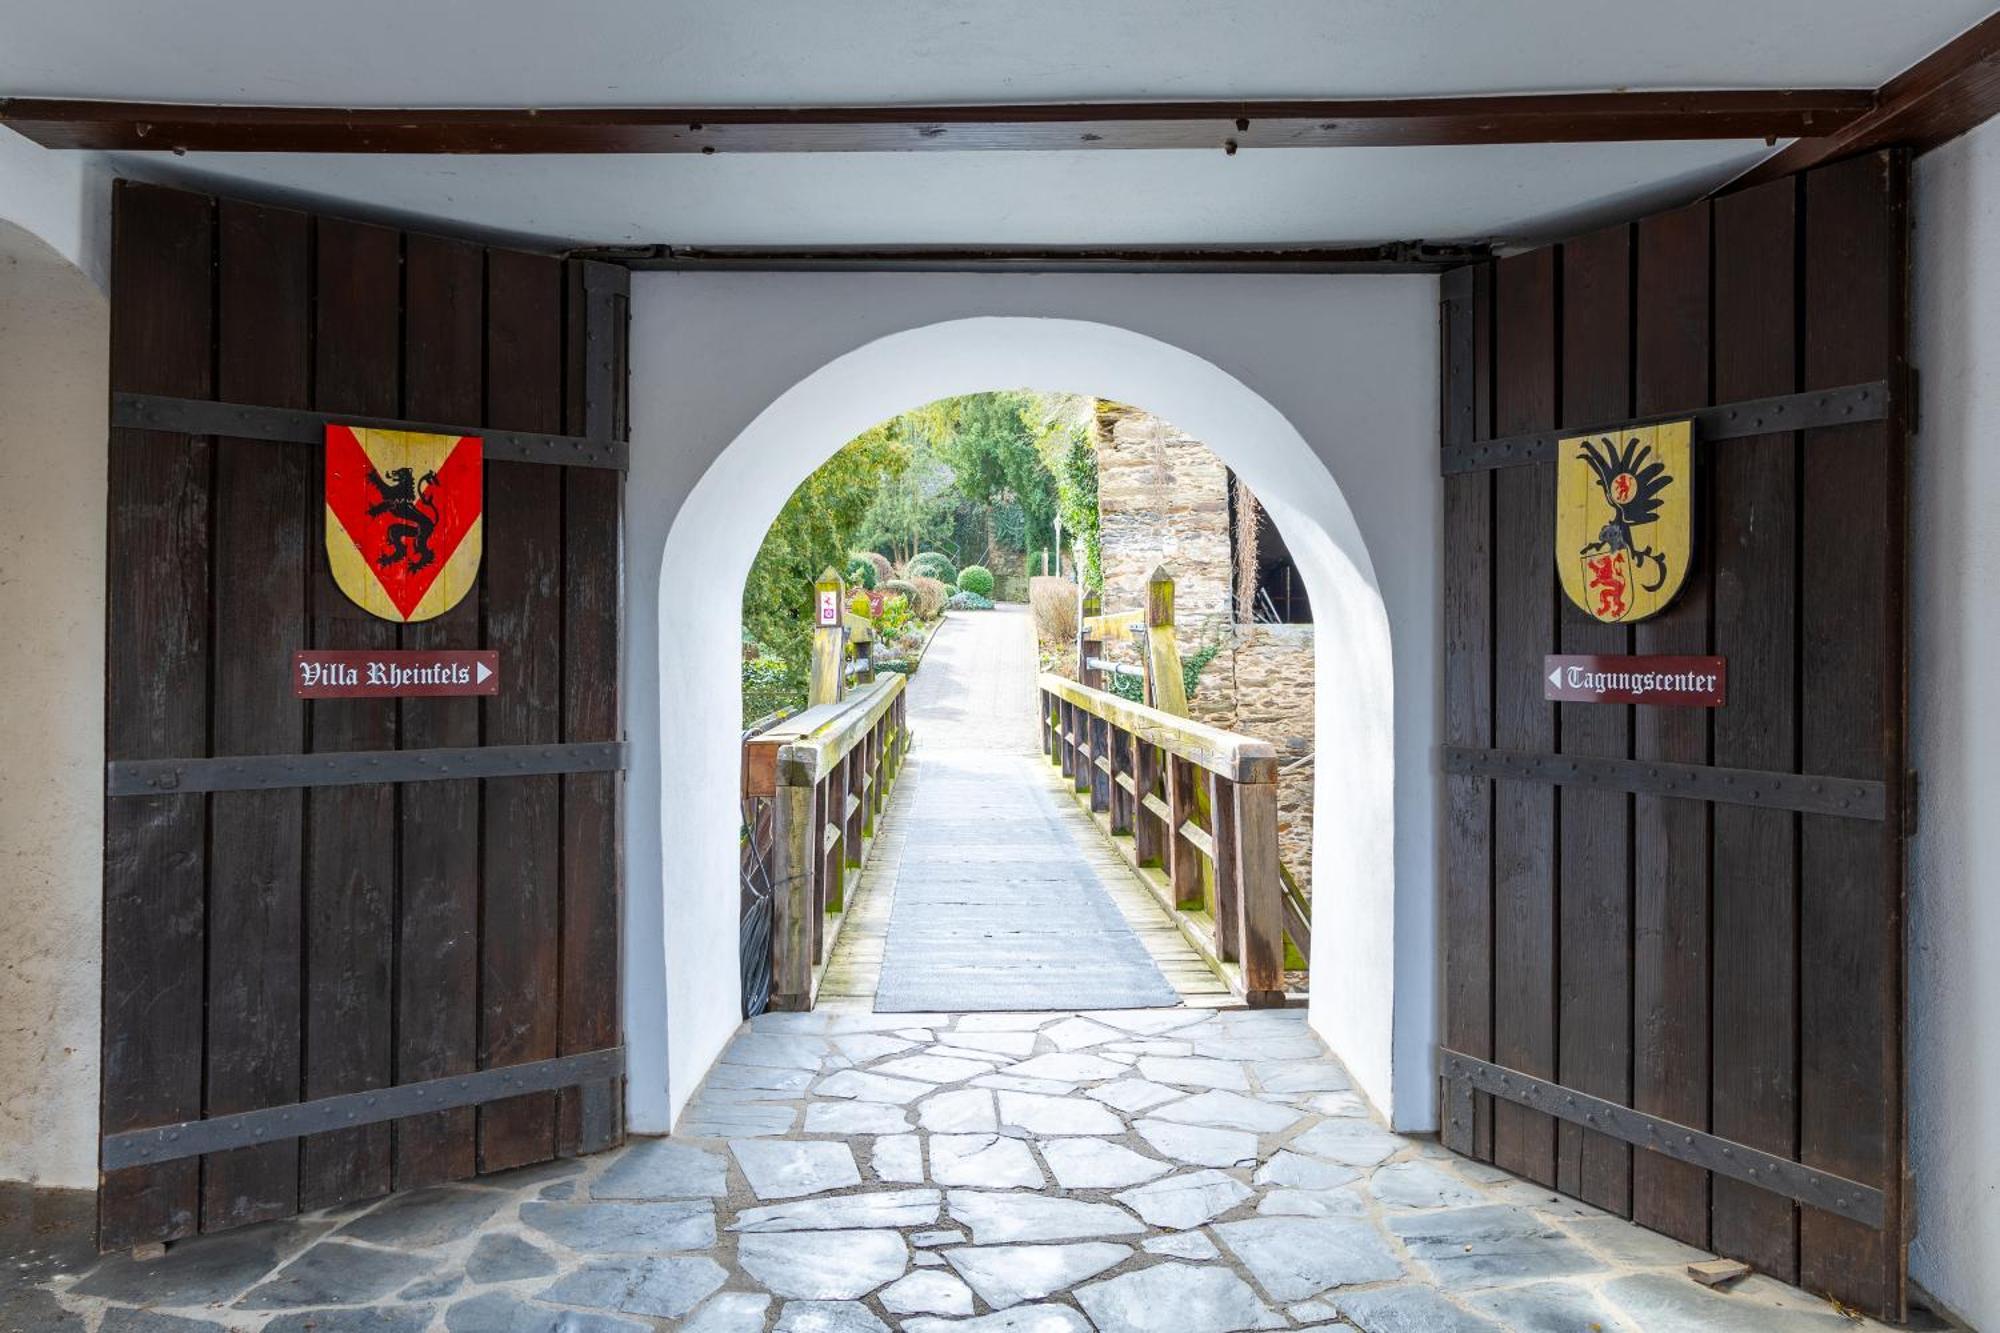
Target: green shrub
point(861, 571)
point(976, 579)
point(968, 601)
point(768, 685)
point(894, 616)
point(861, 605)
point(932, 565)
point(884, 571)
point(927, 597)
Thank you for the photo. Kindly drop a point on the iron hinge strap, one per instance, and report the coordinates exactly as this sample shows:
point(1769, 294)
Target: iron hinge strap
point(350, 768)
point(272, 1124)
point(1806, 793)
point(1847, 405)
point(243, 421)
point(1465, 1074)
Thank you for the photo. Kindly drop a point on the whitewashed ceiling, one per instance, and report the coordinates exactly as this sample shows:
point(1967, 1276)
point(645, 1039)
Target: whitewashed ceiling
point(805, 52)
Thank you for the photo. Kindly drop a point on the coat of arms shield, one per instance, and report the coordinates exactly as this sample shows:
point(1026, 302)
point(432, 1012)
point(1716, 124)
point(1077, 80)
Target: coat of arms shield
point(1625, 519)
point(403, 519)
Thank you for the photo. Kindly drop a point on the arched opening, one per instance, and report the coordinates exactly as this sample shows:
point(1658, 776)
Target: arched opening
point(681, 959)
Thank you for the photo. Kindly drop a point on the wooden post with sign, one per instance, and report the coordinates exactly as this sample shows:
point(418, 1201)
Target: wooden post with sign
point(1165, 690)
point(829, 683)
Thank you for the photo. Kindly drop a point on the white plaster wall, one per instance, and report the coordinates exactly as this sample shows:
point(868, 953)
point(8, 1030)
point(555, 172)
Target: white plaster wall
point(53, 372)
point(1953, 1043)
point(1345, 367)
point(62, 198)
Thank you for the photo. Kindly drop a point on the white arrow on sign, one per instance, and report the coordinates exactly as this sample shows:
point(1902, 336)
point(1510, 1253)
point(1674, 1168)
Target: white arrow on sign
point(483, 672)
point(1555, 677)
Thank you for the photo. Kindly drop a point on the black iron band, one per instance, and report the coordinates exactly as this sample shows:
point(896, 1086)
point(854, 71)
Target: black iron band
point(1806, 793)
point(191, 1138)
point(350, 768)
point(199, 416)
point(1465, 1075)
point(1848, 405)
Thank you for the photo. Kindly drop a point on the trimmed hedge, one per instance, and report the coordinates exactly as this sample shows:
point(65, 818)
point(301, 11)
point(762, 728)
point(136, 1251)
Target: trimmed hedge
point(968, 601)
point(860, 572)
point(932, 565)
point(976, 579)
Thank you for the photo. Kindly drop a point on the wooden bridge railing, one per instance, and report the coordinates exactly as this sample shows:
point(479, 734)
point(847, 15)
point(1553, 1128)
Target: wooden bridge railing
point(1195, 808)
point(826, 773)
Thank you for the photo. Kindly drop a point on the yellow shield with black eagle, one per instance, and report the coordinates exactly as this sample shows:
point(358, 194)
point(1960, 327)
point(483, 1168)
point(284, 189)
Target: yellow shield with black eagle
point(1625, 519)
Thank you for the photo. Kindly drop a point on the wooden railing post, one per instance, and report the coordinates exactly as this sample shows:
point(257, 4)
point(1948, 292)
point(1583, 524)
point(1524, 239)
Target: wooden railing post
point(1088, 605)
point(793, 898)
point(829, 675)
point(1259, 892)
point(1183, 857)
point(834, 836)
point(1228, 888)
point(1121, 768)
point(854, 813)
point(1165, 690)
point(1100, 760)
point(1149, 842)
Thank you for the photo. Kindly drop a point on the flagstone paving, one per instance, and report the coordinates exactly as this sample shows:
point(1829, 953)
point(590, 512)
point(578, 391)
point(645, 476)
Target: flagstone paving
point(882, 1188)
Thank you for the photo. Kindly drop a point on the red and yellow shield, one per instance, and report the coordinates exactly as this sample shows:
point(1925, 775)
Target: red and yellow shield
point(403, 519)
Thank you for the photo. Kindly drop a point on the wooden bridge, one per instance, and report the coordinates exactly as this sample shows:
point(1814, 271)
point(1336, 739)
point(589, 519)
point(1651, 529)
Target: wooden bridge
point(981, 836)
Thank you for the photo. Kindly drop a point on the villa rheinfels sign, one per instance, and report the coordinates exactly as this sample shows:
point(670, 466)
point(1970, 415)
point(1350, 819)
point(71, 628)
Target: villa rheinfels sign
point(403, 519)
point(1625, 519)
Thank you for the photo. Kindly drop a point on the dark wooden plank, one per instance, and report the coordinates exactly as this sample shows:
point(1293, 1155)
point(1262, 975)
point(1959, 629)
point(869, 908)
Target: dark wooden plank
point(595, 326)
point(521, 818)
point(1524, 592)
point(1572, 117)
point(351, 845)
point(1850, 946)
point(1754, 485)
point(1670, 837)
point(1468, 690)
point(1948, 92)
point(1595, 1044)
point(262, 544)
point(156, 705)
point(437, 965)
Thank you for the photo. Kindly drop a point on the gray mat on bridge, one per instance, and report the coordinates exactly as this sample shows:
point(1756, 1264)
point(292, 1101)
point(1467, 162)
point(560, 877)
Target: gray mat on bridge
point(1013, 920)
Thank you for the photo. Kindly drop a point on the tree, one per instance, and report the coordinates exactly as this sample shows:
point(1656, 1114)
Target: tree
point(815, 529)
point(993, 457)
point(912, 510)
point(1062, 425)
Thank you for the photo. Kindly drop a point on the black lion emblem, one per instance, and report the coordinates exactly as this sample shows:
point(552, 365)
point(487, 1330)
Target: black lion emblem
point(406, 499)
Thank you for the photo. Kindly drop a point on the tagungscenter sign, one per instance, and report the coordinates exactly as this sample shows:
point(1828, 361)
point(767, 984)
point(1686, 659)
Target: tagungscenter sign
point(1667, 682)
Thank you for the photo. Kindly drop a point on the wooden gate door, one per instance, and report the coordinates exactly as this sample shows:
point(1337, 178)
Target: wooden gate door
point(398, 916)
point(1673, 942)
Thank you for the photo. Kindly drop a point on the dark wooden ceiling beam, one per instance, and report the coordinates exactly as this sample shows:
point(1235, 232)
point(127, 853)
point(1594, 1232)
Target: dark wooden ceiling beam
point(1399, 122)
point(1398, 257)
point(1933, 101)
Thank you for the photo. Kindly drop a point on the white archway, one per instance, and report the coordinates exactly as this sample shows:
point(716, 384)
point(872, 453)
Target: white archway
point(716, 533)
point(54, 374)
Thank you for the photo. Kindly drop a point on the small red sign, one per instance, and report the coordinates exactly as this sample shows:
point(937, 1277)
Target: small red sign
point(1662, 682)
point(360, 674)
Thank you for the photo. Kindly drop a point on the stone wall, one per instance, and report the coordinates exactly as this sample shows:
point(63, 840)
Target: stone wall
point(1163, 499)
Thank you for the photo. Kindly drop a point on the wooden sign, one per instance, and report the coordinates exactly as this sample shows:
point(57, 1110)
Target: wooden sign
point(1625, 519)
point(403, 519)
point(1662, 682)
point(394, 674)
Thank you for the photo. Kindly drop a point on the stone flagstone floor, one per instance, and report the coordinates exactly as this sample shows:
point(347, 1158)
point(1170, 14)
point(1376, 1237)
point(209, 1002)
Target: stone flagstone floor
point(1178, 1170)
